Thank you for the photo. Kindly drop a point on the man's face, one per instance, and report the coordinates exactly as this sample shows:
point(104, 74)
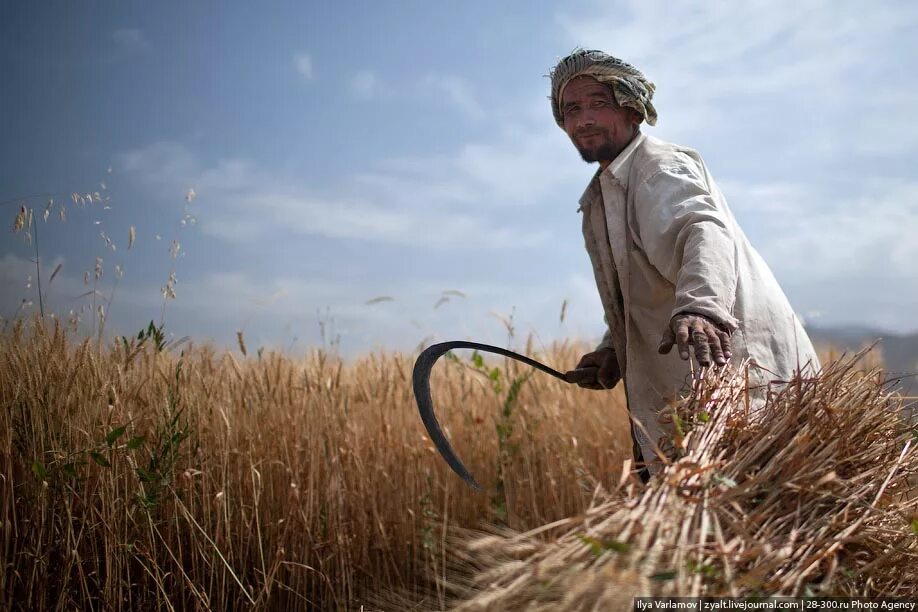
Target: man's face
point(594, 121)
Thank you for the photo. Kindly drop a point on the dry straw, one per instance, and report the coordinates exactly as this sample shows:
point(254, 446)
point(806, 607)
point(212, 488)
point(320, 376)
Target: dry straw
point(816, 498)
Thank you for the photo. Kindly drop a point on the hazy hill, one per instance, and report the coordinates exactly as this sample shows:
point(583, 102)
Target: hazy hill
point(900, 351)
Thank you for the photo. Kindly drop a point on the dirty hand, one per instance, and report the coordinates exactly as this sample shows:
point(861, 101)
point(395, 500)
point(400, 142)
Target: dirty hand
point(708, 338)
point(602, 370)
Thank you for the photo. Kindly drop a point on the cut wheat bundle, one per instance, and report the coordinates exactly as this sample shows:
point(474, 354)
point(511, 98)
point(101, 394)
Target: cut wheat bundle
point(816, 497)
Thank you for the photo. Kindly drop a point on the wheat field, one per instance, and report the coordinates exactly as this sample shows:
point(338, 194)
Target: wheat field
point(135, 477)
point(140, 475)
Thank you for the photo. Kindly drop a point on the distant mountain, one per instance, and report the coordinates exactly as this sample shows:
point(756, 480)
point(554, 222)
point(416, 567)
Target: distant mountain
point(900, 351)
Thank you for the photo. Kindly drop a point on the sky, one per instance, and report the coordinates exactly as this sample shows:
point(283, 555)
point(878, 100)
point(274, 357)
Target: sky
point(371, 175)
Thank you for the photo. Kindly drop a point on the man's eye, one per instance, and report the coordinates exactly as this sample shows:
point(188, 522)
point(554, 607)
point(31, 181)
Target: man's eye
point(599, 103)
point(570, 110)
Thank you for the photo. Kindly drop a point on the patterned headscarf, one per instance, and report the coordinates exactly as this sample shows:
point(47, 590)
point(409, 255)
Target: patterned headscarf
point(628, 85)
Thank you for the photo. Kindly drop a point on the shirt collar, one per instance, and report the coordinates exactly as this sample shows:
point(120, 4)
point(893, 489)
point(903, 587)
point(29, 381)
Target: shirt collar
point(618, 170)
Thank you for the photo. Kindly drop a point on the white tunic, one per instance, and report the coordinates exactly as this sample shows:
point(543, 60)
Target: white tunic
point(663, 241)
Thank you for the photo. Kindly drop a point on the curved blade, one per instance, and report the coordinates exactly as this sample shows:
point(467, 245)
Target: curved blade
point(421, 384)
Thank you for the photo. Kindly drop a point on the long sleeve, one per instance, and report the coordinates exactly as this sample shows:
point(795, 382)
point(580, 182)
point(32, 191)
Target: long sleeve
point(686, 233)
point(606, 342)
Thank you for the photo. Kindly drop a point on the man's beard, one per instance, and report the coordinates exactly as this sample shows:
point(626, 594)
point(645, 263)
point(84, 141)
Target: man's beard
point(604, 152)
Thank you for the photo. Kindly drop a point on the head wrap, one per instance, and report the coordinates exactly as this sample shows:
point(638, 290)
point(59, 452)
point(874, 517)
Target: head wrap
point(628, 84)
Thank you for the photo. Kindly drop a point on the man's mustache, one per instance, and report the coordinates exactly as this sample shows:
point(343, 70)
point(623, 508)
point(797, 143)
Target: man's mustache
point(590, 132)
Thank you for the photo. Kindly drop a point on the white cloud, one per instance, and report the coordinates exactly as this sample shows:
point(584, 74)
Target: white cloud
point(260, 215)
point(364, 84)
point(236, 293)
point(130, 40)
point(161, 164)
point(460, 94)
point(248, 204)
point(525, 165)
point(867, 236)
point(302, 61)
point(749, 46)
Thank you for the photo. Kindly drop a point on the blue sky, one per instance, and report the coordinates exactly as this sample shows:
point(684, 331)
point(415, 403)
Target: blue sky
point(342, 152)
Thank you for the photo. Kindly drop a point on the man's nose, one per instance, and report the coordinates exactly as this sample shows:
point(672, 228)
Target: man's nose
point(586, 119)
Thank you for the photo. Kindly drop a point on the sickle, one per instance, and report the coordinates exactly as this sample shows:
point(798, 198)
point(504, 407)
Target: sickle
point(421, 384)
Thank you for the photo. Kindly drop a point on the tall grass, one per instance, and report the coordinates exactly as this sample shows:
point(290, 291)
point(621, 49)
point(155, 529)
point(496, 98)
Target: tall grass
point(134, 477)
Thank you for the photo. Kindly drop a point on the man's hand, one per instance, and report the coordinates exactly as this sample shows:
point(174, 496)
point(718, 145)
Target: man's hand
point(604, 372)
point(708, 338)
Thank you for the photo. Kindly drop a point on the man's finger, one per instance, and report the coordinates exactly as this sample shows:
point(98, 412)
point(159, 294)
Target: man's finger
point(717, 351)
point(682, 338)
point(726, 341)
point(669, 339)
point(700, 341)
point(608, 373)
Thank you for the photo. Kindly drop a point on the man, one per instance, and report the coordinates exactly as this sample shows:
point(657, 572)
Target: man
point(672, 266)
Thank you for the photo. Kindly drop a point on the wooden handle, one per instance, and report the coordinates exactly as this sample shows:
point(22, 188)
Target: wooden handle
point(582, 375)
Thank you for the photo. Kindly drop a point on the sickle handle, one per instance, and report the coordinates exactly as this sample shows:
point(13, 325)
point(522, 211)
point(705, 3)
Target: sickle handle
point(581, 374)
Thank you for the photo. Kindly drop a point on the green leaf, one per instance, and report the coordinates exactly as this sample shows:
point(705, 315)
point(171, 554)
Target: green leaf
point(147, 501)
point(100, 459)
point(477, 359)
point(114, 434)
point(135, 442)
point(494, 374)
point(706, 570)
point(39, 470)
point(69, 469)
point(598, 547)
point(661, 576)
point(915, 526)
point(678, 425)
point(619, 547)
point(593, 543)
point(704, 417)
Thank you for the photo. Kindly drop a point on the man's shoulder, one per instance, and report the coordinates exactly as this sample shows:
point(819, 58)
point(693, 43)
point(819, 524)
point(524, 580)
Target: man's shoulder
point(654, 155)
